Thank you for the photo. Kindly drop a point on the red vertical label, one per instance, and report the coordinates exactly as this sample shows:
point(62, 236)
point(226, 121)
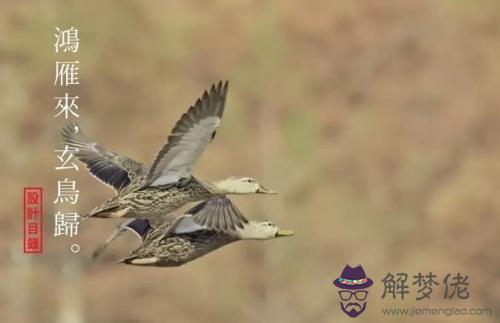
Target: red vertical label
point(33, 220)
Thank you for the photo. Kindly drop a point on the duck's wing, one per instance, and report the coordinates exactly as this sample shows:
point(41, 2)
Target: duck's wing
point(217, 214)
point(108, 167)
point(189, 138)
point(140, 227)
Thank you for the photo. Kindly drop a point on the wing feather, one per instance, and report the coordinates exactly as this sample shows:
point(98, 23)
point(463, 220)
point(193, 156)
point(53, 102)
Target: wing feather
point(217, 213)
point(108, 167)
point(189, 138)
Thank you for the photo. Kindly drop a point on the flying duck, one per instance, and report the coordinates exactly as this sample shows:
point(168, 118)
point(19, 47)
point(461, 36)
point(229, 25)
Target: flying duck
point(208, 226)
point(151, 192)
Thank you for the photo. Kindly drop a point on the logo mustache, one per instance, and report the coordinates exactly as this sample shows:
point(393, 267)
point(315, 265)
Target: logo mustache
point(352, 309)
point(351, 305)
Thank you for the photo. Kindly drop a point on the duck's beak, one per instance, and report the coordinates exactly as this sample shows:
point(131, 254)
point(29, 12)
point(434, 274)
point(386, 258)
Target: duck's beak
point(284, 233)
point(263, 190)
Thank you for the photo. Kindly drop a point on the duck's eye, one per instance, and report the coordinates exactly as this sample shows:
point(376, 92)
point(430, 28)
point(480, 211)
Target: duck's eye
point(249, 180)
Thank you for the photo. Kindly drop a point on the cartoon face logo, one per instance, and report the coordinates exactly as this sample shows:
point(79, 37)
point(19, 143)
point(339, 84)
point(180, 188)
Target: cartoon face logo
point(353, 282)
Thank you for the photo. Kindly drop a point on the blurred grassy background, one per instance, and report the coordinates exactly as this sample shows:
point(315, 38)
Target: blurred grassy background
point(377, 122)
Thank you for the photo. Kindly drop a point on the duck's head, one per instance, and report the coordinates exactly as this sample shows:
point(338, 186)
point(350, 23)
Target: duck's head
point(241, 185)
point(263, 231)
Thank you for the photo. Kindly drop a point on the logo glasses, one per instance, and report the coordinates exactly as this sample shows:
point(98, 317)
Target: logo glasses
point(346, 295)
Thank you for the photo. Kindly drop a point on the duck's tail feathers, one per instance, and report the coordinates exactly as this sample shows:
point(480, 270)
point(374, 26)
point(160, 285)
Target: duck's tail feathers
point(125, 260)
point(139, 261)
point(106, 211)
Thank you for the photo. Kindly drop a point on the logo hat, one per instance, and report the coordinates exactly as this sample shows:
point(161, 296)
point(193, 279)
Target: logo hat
point(353, 278)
